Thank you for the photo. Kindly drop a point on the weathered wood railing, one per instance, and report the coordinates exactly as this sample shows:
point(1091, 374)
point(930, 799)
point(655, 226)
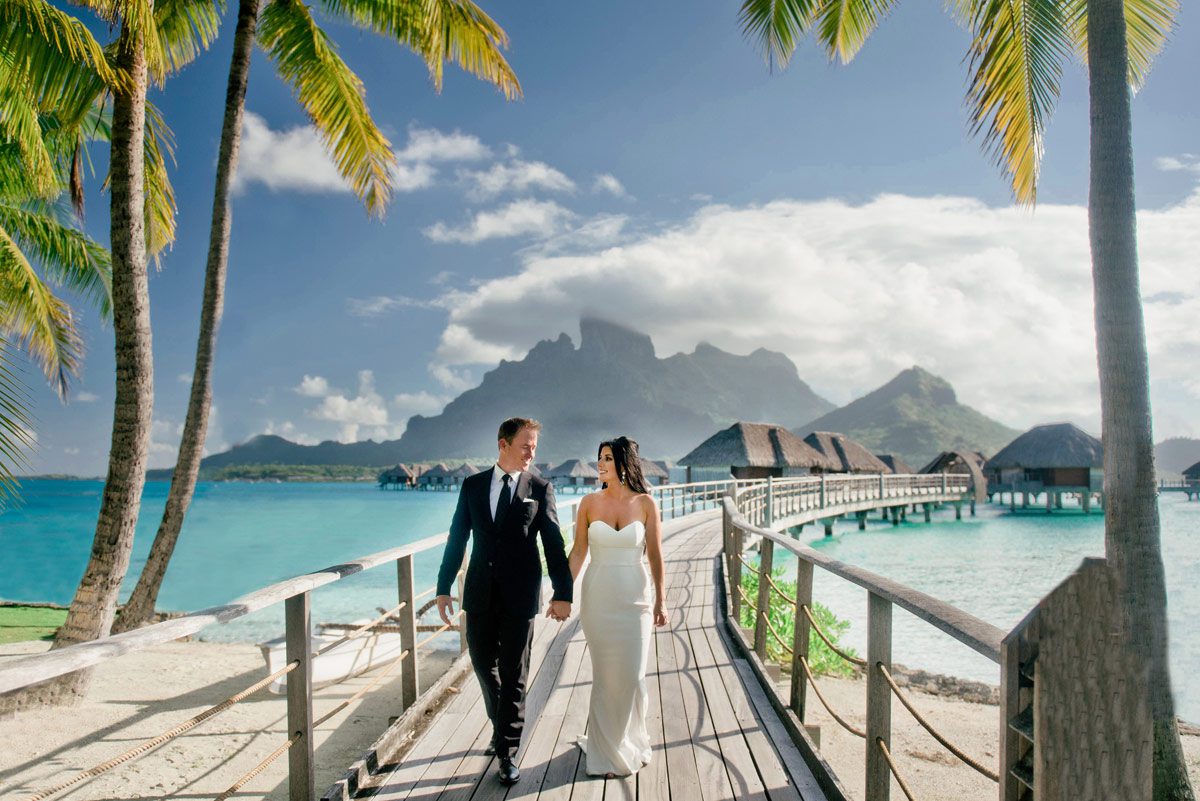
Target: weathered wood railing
point(754, 513)
point(295, 594)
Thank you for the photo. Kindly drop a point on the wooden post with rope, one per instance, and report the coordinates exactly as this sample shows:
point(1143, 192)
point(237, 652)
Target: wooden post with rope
point(407, 616)
point(302, 776)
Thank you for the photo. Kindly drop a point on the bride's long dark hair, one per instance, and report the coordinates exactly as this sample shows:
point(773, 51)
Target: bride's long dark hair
point(627, 462)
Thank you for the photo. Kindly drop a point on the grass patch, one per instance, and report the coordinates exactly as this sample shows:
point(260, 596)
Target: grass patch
point(23, 623)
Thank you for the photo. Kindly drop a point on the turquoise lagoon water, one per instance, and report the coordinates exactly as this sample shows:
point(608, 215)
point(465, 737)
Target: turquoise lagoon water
point(241, 536)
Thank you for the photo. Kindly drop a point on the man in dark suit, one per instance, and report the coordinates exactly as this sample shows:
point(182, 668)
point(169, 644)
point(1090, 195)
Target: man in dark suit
point(503, 510)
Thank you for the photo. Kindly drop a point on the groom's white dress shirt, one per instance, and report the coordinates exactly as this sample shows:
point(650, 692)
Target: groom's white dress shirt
point(498, 484)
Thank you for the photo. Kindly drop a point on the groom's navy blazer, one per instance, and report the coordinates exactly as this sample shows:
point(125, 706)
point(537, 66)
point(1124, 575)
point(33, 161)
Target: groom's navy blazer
point(505, 567)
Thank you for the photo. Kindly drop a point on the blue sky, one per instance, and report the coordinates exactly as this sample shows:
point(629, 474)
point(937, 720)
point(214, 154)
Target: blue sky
point(657, 174)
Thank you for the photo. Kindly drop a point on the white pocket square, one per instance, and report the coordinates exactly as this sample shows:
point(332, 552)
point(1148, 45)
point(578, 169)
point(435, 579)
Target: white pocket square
point(529, 500)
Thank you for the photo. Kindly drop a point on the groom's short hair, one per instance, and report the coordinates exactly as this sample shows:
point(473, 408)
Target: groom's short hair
point(510, 427)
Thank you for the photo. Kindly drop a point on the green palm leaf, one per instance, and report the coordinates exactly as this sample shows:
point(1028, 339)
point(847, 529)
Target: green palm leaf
point(19, 125)
point(185, 29)
point(138, 17)
point(34, 317)
point(68, 257)
point(332, 95)
point(844, 25)
point(778, 26)
point(15, 425)
point(50, 47)
point(1148, 25)
point(1016, 61)
point(159, 194)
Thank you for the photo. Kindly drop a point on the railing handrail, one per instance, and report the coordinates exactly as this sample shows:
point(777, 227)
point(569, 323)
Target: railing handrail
point(968, 629)
point(23, 671)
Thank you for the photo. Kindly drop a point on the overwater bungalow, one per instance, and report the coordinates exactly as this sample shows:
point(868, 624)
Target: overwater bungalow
point(895, 464)
point(436, 477)
point(399, 477)
point(1193, 472)
point(575, 473)
point(846, 455)
point(457, 474)
point(753, 450)
point(964, 463)
point(656, 473)
point(1055, 459)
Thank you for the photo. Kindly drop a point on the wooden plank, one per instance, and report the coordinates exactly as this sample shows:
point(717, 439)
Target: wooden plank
point(652, 779)
point(710, 765)
point(681, 760)
point(566, 755)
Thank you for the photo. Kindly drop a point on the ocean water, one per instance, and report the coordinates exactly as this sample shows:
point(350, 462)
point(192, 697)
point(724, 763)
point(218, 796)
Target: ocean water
point(242, 536)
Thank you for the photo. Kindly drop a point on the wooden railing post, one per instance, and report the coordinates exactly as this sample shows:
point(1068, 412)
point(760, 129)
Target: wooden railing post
point(879, 696)
point(766, 550)
point(882, 486)
point(408, 633)
point(302, 776)
point(770, 511)
point(804, 579)
point(943, 482)
point(822, 502)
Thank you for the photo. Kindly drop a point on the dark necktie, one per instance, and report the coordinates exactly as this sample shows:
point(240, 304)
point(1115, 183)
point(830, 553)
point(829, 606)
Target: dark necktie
point(505, 498)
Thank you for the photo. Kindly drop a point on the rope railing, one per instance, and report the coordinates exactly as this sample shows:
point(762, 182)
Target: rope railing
point(383, 674)
point(825, 638)
point(444, 628)
point(929, 727)
point(748, 566)
point(149, 745)
point(362, 630)
point(771, 581)
point(260, 767)
point(891, 763)
point(837, 718)
point(771, 630)
point(745, 599)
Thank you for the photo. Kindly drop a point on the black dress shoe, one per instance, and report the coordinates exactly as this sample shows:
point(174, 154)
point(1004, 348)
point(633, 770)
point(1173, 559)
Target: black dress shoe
point(491, 747)
point(508, 771)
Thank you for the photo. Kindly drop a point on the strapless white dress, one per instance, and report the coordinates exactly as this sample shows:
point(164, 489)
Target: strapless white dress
point(616, 619)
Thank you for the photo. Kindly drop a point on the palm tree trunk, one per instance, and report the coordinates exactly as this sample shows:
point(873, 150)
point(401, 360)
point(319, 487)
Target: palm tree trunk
point(95, 603)
point(1131, 526)
point(140, 608)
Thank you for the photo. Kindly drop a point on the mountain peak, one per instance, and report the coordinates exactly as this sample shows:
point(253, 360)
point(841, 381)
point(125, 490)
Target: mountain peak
point(612, 340)
point(919, 382)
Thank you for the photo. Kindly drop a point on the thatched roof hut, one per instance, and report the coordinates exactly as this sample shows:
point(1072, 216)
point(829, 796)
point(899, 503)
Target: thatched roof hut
point(846, 455)
point(400, 475)
point(654, 472)
point(438, 474)
point(1193, 472)
point(462, 471)
point(1056, 455)
point(895, 464)
point(757, 450)
point(963, 462)
point(573, 472)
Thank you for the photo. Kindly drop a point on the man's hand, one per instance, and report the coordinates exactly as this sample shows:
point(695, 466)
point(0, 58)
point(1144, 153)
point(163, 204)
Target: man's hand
point(559, 610)
point(445, 605)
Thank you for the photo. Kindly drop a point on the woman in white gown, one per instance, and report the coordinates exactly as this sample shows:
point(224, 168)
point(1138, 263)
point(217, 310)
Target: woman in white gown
point(619, 527)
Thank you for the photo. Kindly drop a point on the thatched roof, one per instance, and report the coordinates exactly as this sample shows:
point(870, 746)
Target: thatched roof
point(955, 462)
point(755, 445)
point(1193, 472)
point(439, 470)
point(1055, 445)
point(652, 469)
point(572, 468)
point(846, 455)
point(895, 464)
point(397, 473)
point(463, 470)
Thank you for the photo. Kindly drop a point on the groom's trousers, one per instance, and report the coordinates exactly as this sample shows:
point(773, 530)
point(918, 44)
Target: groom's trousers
point(499, 645)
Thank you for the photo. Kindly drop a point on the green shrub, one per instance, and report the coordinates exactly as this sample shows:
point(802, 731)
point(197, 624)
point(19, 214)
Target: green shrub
point(821, 658)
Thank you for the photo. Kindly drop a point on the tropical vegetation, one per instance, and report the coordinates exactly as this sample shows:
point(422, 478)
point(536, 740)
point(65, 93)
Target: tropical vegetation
point(1015, 57)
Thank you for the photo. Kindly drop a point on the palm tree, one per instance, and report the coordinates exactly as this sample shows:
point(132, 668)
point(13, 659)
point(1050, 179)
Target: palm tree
point(438, 31)
point(153, 40)
point(1016, 56)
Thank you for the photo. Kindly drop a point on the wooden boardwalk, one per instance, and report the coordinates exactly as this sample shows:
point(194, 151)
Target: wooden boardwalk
point(714, 733)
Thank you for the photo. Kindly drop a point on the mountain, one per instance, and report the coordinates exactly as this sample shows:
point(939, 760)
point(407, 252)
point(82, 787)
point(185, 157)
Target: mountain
point(1176, 455)
point(614, 384)
point(916, 416)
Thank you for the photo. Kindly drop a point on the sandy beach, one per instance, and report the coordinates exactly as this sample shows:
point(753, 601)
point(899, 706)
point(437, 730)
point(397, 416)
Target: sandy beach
point(177, 680)
point(141, 695)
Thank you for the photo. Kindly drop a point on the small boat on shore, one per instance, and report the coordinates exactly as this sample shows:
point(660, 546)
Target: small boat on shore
point(344, 660)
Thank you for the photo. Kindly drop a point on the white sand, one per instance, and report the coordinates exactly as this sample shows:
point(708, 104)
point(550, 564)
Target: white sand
point(141, 695)
point(932, 772)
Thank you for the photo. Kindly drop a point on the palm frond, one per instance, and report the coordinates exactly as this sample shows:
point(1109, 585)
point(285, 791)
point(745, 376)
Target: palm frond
point(159, 194)
point(68, 257)
point(1148, 25)
point(15, 426)
point(186, 28)
point(332, 95)
point(1016, 57)
point(50, 47)
point(35, 318)
point(20, 125)
point(844, 25)
point(777, 26)
point(137, 17)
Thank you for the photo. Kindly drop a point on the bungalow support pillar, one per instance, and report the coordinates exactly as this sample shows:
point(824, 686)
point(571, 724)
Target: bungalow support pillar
point(828, 527)
point(927, 507)
point(1087, 502)
point(958, 511)
point(1049, 502)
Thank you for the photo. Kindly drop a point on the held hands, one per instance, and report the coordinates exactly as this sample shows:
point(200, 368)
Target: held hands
point(660, 614)
point(445, 607)
point(559, 610)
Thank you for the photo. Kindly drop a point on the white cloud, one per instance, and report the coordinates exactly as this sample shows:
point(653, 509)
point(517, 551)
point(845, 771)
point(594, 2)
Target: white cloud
point(519, 218)
point(996, 300)
point(1185, 162)
point(86, 397)
point(184, 378)
point(313, 386)
point(365, 409)
point(71, 451)
point(432, 145)
point(608, 183)
point(454, 380)
point(287, 429)
point(411, 177)
point(406, 404)
point(166, 433)
point(286, 159)
point(382, 304)
point(516, 176)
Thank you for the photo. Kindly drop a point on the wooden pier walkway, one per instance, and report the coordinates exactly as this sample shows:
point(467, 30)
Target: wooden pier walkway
point(714, 733)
